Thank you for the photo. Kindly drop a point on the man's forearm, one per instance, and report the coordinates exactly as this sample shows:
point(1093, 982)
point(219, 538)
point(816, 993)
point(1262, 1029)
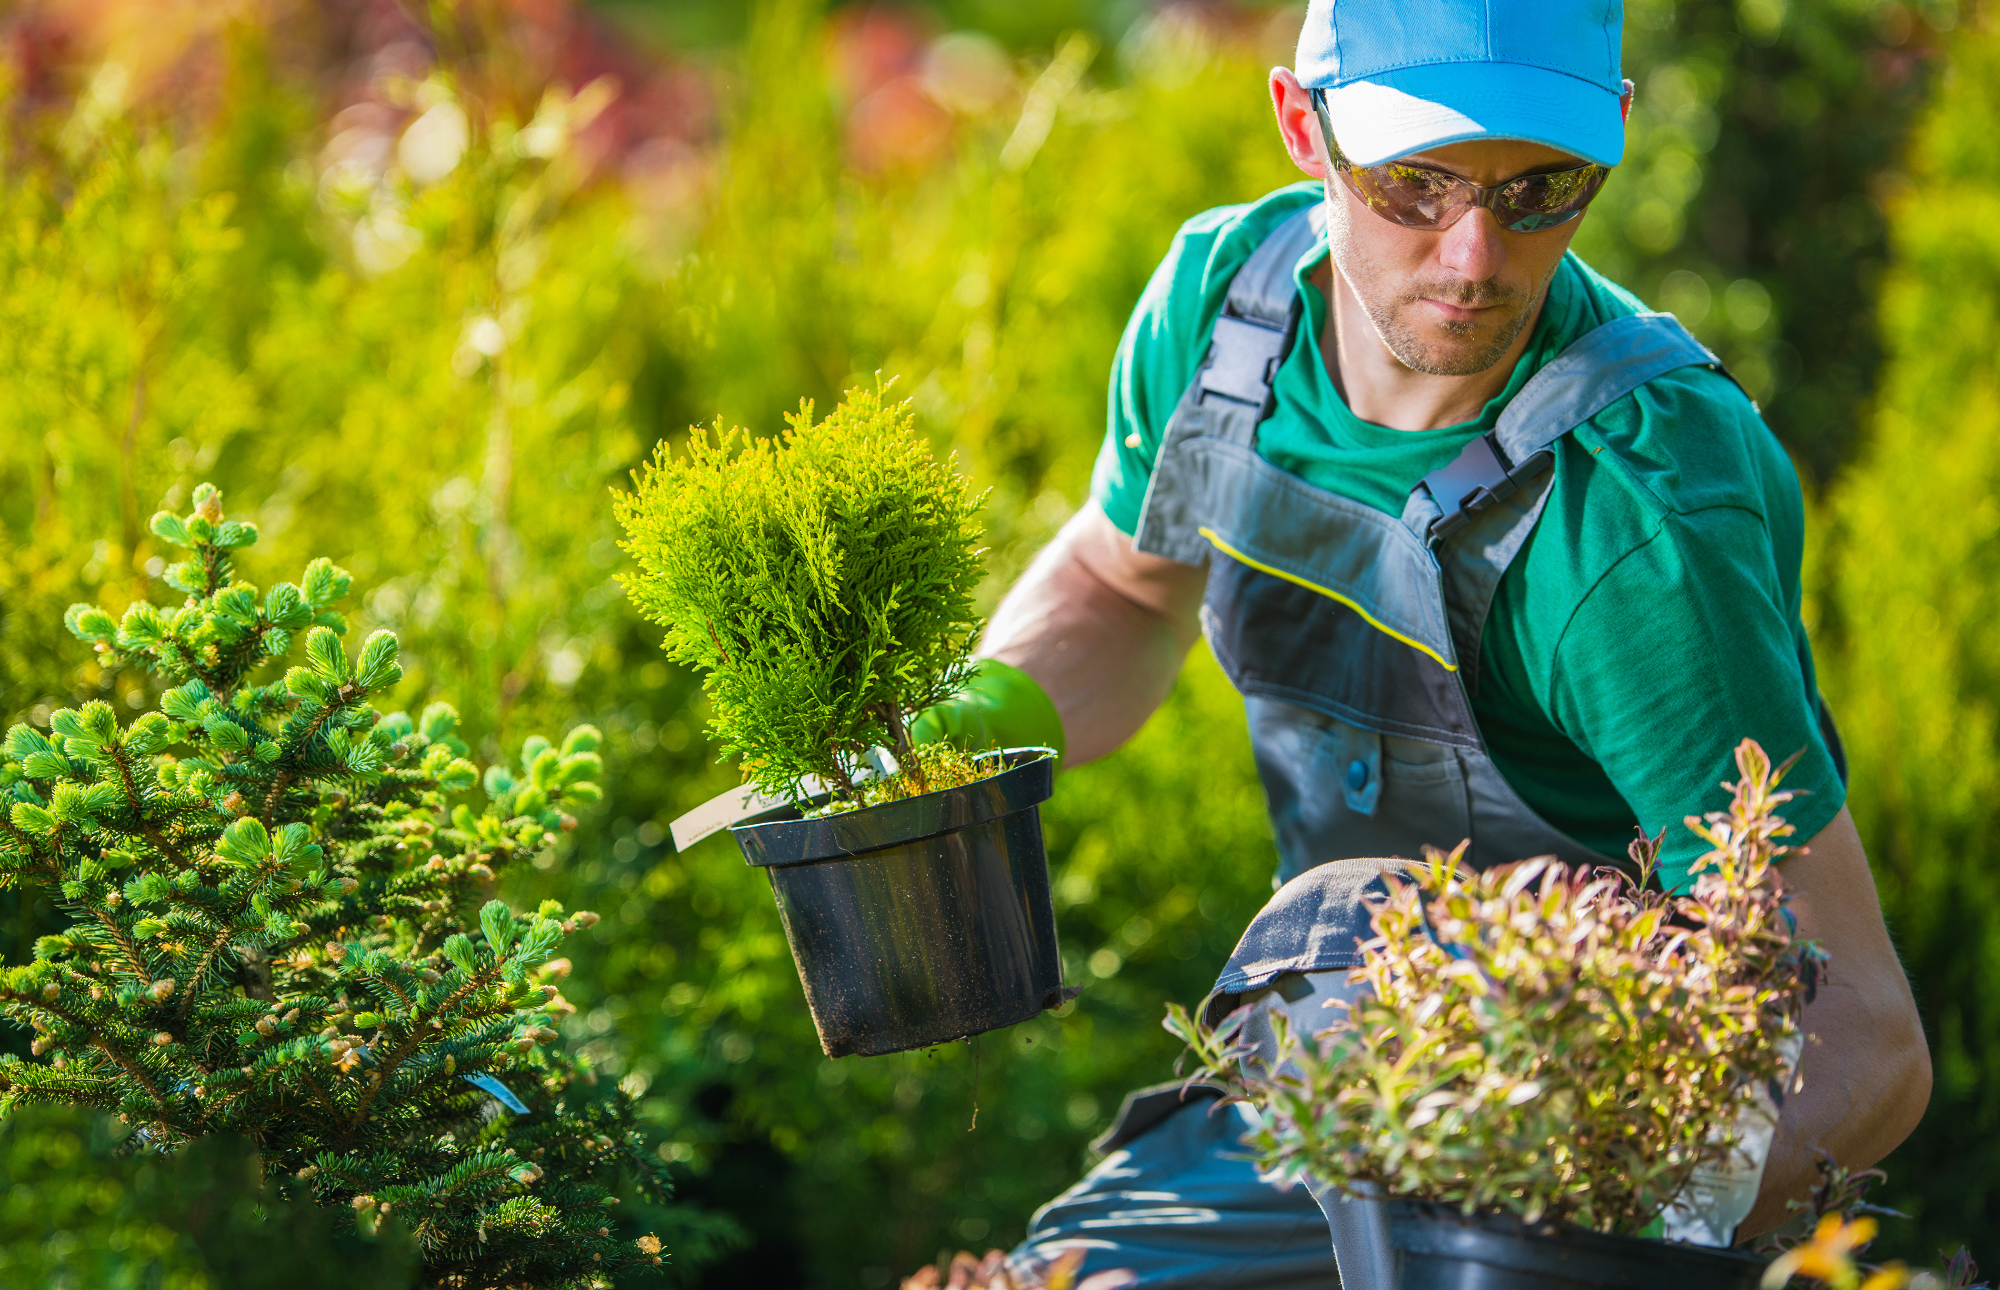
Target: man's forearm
point(1866, 1081)
point(1866, 1069)
point(1101, 628)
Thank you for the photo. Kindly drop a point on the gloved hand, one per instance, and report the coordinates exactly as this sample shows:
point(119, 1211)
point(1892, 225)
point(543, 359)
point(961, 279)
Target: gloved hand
point(1000, 707)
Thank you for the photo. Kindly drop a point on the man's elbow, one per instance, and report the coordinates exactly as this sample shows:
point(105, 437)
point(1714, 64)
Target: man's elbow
point(1902, 1083)
point(1912, 1087)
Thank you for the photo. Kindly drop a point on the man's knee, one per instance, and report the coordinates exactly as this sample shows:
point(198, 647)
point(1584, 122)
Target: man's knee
point(1180, 1208)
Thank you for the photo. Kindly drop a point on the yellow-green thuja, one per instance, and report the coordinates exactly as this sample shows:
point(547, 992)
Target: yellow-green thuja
point(821, 579)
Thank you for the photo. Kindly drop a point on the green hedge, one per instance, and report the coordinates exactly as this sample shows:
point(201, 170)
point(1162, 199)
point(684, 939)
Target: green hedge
point(469, 494)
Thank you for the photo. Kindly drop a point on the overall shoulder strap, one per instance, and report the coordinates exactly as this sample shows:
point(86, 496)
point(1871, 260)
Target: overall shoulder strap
point(1258, 321)
point(1593, 372)
point(1230, 393)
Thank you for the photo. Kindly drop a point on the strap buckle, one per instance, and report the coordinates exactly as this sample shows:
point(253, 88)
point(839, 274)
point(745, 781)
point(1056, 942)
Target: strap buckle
point(1477, 478)
point(1243, 359)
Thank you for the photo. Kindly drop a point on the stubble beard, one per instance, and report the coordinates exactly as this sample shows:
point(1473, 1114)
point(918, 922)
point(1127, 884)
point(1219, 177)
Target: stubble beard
point(1466, 347)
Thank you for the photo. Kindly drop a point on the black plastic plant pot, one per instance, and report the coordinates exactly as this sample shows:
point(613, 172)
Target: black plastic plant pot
point(922, 921)
point(1439, 1248)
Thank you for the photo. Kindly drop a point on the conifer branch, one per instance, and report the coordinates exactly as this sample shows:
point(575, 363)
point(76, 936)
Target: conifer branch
point(169, 873)
point(133, 958)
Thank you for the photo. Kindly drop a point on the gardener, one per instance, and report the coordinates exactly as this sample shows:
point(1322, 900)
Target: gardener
point(1468, 589)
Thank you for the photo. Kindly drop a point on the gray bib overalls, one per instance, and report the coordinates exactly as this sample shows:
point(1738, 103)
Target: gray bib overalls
point(1354, 638)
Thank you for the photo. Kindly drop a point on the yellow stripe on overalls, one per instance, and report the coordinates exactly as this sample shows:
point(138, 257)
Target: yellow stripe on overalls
point(1329, 593)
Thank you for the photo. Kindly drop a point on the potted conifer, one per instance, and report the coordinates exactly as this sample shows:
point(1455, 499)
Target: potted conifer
point(280, 927)
point(823, 580)
point(1550, 1076)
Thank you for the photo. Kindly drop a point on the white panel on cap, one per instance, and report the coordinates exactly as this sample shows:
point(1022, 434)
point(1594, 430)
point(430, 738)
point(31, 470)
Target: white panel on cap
point(1374, 122)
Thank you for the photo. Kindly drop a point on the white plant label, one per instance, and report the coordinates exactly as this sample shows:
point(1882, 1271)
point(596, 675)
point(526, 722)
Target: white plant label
point(725, 809)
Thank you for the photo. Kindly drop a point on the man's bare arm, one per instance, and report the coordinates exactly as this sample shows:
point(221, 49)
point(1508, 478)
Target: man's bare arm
point(1102, 627)
point(1867, 1069)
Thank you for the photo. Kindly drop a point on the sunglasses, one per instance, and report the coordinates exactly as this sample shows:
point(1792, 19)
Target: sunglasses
point(1420, 197)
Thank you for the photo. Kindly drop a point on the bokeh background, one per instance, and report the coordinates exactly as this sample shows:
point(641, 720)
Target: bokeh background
point(417, 283)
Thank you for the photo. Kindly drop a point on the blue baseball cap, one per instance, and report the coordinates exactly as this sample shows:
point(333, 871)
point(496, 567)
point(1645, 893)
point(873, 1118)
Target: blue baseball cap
point(1401, 76)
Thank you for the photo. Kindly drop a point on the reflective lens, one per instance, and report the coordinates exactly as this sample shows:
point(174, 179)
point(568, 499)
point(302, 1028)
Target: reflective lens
point(1420, 197)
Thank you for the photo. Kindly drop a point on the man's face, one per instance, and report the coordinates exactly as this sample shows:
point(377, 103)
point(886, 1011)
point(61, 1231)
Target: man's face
point(1450, 302)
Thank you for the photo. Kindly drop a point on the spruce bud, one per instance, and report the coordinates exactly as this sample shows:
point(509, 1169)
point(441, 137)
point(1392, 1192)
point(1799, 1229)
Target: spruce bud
point(568, 823)
point(525, 1173)
point(584, 918)
point(557, 968)
point(648, 1244)
point(291, 1016)
point(41, 1045)
point(336, 951)
point(267, 1026)
point(51, 992)
point(480, 871)
point(307, 1172)
point(163, 1039)
point(235, 804)
point(162, 989)
point(364, 1201)
point(114, 899)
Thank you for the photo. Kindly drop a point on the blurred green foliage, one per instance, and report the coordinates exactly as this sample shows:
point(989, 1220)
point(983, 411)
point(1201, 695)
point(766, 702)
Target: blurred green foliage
point(1906, 571)
point(437, 383)
point(79, 1215)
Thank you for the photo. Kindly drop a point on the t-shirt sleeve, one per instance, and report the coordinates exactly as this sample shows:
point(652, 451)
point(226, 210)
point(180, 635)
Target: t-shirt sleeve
point(1683, 648)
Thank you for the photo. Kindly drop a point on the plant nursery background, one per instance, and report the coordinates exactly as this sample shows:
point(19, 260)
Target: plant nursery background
point(417, 285)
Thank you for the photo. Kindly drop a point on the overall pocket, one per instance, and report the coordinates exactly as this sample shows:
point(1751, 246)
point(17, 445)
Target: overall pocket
point(1338, 791)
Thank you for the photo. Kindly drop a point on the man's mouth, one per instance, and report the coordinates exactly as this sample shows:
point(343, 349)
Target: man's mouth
point(1453, 311)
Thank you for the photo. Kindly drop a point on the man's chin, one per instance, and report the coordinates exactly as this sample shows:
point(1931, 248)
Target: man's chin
point(1447, 355)
point(1453, 349)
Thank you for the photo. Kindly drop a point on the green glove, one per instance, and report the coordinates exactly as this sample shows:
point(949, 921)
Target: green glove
point(1000, 707)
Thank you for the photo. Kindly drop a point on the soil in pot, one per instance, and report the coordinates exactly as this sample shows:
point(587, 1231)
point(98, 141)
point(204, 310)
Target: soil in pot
point(923, 920)
point(1439, 1248)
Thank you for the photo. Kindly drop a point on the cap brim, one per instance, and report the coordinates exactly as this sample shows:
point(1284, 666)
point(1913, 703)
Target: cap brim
point(1414, 109)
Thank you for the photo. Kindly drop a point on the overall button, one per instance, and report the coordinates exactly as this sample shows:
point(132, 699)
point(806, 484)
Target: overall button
point(1357, 775)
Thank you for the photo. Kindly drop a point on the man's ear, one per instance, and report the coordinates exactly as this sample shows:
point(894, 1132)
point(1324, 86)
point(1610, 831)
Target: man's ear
point(1625, 102)
point(1298, 125)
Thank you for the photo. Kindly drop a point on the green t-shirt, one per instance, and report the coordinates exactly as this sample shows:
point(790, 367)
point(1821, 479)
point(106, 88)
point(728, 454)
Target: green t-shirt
point(1651, 621)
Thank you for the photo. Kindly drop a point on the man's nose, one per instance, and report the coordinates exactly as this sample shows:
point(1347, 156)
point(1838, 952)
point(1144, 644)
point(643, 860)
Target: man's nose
point(1474, 247)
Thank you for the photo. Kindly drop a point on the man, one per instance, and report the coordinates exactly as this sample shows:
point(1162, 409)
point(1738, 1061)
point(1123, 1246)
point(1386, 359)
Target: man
point(1467, 590)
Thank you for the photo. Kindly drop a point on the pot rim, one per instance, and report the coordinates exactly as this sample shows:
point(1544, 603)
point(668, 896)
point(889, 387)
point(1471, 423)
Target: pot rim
point(782, 836)
point(1499, 1225)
